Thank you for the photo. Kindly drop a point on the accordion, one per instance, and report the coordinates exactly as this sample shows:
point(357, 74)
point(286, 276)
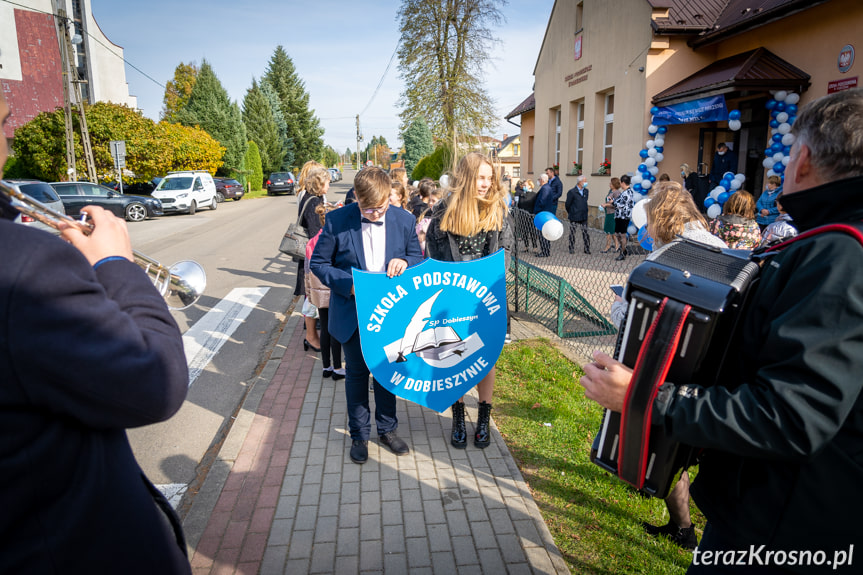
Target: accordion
point(683, 307)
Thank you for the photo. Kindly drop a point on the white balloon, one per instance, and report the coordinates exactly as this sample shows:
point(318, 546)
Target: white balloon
point(648, 161)
point(444, 181)
point(651, 152)
point(659, 157)
point(646, 184)
point(788, 139)
point(780, 95)
point(792, 98)
point(719, 190)
point(552, 230)
point(781, 117)
point(770, 172)
point(714, 211)
point(714, 193)
point(784, 128)
point(652, 129)
point(768, 162)
point(637, 179)
point(777, 157)
point(639, 214)
point(735, 184)
point(650, 144)
point(734, 125)
point(637, 197)
point(653, 170)
point(785, 160)
point(659, 140)
point(632, 230)
point(741, 177)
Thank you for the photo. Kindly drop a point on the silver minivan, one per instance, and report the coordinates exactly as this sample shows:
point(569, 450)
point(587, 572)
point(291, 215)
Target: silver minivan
point(39, 191)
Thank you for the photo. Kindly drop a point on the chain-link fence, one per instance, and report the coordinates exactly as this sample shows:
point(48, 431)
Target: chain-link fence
point(563, 287)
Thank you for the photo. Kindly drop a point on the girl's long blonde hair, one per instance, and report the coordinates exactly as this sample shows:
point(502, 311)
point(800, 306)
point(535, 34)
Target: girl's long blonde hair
point(466, 213)
point(669, 210)
point(307, 167)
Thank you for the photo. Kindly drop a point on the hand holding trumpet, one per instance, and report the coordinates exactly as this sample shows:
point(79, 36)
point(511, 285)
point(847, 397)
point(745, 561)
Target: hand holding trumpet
point(109, 236)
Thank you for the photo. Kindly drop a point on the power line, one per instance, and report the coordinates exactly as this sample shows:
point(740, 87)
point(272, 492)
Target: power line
point(393, 57)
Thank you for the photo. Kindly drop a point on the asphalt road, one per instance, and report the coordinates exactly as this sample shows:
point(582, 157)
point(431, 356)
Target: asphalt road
point(229, 331)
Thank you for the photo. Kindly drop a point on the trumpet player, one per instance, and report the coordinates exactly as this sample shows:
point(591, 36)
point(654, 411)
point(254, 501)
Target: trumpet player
point(88, 348)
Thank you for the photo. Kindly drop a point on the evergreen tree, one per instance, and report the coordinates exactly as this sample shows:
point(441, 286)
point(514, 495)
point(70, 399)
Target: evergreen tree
point(261, 128)
point(418, 143)
point(282, 126)
point(304, 128)
point(253, 166)
point(210, 108)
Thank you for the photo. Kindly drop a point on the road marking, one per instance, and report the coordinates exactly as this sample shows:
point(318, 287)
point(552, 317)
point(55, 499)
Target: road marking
point(204, 339)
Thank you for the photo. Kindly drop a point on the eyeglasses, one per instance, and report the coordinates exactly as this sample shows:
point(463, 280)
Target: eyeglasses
point(375, 211)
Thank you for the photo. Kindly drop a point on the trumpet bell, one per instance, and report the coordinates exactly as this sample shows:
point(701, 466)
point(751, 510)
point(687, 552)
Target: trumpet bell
point(187, 283)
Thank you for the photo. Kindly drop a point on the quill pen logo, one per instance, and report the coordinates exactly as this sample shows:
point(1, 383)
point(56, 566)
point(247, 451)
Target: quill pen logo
point(432, 333)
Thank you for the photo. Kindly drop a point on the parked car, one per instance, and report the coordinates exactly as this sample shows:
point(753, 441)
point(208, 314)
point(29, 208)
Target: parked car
point(280, 183)
point(336, 174)
point(138, 188)
point(187, 191)
point(39, 191)
point(228, 189)
point(76, 195)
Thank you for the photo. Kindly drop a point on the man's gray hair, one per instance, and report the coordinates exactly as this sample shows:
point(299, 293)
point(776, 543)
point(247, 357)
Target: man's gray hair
point(581, 179)
point(832, 128)
point(543, 177)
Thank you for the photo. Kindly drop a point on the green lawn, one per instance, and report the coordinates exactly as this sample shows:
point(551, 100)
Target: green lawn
point(548, 426)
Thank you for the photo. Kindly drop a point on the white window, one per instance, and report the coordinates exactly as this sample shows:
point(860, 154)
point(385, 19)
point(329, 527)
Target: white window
point(516, 171)
point(608, 131)
point(557, 137)
point(579, 134)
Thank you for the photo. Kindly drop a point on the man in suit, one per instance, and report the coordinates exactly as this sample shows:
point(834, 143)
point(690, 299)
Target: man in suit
point(88, 348)
point(723, 161)
point(576, 211)
point(545, 202)
point(555, 183)
point(366, 235)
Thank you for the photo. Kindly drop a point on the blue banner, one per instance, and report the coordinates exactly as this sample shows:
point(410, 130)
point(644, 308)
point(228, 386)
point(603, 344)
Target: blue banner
point(431, 334)
point(702, 110)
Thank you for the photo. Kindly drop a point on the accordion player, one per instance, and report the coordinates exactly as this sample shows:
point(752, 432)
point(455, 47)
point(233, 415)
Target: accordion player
point(683, 306)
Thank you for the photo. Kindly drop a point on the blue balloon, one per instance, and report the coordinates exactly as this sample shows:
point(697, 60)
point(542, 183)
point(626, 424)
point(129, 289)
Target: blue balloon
point(771, 103)
point(774, 123)
point(708, 201)
point(644, 239)
point(643, 168)
point(652, 179)
point(723, 197)
point(786, 150)
point(659, 149)
point(791, 119)
point(637, 187)
point(542, 218)
point(734, 115)
point(780, 106)
point(776, 147)
point(791, 109)
point(778, 167)
point(777, 137)
point(728, 176)
point(654, 110)
point(769, 152)
point(643, 154)
point(662, 130)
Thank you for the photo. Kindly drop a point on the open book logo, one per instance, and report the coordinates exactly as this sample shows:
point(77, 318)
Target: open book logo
point(434, 332)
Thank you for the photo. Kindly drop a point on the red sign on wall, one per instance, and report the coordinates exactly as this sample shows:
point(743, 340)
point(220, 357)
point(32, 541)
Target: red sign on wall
point(839, 85)
point(578, 46)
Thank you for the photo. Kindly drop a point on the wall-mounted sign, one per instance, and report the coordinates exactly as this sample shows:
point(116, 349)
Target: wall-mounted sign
point(840, 85)
point(577, 77)
point(846, 58)
point(578, 46)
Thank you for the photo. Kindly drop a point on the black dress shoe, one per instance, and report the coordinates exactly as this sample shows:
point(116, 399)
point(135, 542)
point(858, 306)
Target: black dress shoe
point(572, 251)
point(359, 451)
point(542, 255)
point(395, 443)
point(307, 345)
point(328, 372)
point(337, 376)
point(587, 252)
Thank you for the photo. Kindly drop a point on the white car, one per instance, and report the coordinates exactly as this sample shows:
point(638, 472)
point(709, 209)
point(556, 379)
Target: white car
point(186, 191)
point(335, 175)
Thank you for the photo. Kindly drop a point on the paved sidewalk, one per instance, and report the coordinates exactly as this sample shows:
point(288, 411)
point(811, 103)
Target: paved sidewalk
point(284, 497)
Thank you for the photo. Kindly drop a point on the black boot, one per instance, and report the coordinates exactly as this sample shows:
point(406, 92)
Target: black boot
point(459, 434)
point(482, 437)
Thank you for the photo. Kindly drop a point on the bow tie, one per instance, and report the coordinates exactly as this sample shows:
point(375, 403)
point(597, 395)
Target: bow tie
point(368, 221)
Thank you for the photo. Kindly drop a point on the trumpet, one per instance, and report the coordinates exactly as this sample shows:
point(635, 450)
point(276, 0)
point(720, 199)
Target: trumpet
point(181, 284)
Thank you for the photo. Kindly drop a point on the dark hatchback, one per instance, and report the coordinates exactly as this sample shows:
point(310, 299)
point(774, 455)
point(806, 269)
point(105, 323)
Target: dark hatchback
point(76, 195)
point(228, 189)
point(280, 183)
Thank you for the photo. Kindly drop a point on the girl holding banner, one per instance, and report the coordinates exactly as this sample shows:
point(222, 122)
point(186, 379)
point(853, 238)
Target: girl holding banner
point(473, 222)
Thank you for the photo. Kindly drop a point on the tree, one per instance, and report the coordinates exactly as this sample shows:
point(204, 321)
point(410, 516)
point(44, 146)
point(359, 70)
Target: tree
point(253, 166)
point(178, 90)
point(261, 128)
point(330, 157)
point(418, 143)
point(434, 165)
point(210, 108)
point(282, 126)
point(444, 50)
point(304, 128)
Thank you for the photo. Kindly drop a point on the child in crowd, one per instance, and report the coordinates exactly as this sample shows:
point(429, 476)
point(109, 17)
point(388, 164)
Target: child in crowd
point(780, 230)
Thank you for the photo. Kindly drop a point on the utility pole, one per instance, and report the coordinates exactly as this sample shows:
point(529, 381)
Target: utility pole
point(71, 82)
point(359, 137)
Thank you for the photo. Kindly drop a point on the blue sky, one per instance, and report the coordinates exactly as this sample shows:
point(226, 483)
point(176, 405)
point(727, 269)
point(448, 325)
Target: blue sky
point(340, 50)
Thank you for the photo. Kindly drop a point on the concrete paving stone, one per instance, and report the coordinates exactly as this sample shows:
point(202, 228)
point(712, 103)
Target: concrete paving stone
point(394, 539)
point(475, 509)
point(389, 469)
point(443, 562)
point(395, 563)
point(517, 508)
point(330, 505)
point(310, 493)
point(510, 548)
point(426, 470)
point(331, 483)
point(464, 551)
point(418, 552)
point(287, 507)
point(291, 485)
point(451, 499)
point(414, 522)
point(347, 540)
point(491, 561)
point(326, 529)
point(349, 515)
point(370, 502)
point(520, 569)
point(421, 570)
point(334, 461)
point(347, 565)
point(301, 545)
point(273, 562)
point(390, 490)
point(438, 537)
point(391, 512)
point(429, 489)
point(314, 473)
point(296, 566)
point(483, 534)
point(350, 471)
point(316, 457)
point(371, 555)
point(433, 510)
point(370, 527)
point(411, 500)
point(408, 481)
point(280, 532)
point(323, 558)
point(491, 498)
point(457, 522)
point(296, 464)
point(370, 480)
point(539, 560)
point(350, 492)
point(526, 530)
point(307, 516)
point(303, 433)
